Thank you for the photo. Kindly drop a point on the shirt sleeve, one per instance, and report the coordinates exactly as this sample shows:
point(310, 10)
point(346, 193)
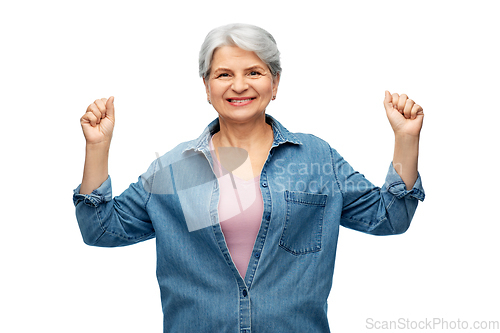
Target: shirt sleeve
point(108, 222)
point(378, 211)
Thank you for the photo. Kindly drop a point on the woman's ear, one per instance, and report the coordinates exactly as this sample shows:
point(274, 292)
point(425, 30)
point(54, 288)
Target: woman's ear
point(207, 88)
point(276, 81)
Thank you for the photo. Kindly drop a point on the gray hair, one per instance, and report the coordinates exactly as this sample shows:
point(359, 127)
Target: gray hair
point(247, 37)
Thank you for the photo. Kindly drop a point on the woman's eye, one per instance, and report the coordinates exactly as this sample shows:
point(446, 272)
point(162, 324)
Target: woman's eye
point(223, 75)
point(253, 73)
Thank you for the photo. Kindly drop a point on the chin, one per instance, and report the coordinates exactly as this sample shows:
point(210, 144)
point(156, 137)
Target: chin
point(241, 116)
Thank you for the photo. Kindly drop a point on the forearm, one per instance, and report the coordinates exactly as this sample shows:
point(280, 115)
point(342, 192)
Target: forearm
point(95, 170)
point(105, 220)
point(405, 160)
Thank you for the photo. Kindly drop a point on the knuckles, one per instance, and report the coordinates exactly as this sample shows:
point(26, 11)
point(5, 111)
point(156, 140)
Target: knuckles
point(100, 104)
point(404, 105)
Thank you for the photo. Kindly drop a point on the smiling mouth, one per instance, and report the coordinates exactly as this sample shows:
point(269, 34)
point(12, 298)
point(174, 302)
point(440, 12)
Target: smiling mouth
point(240, 100)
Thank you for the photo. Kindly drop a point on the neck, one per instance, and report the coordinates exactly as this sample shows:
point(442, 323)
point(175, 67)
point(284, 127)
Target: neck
point(248, 135)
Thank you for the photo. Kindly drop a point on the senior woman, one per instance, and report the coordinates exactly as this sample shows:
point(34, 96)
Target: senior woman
point(246, 217)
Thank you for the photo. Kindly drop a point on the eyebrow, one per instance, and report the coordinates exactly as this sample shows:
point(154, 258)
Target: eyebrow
point(255, 67)
point(246, 69)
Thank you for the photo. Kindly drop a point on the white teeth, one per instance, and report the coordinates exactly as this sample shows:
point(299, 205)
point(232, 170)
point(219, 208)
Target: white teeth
point(239, 100)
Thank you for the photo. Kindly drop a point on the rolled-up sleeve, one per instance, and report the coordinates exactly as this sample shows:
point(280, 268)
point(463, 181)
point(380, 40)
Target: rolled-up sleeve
point(378, 211)
point(108, 222)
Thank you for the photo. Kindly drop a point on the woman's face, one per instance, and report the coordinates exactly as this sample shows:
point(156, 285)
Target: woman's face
point(240, 85)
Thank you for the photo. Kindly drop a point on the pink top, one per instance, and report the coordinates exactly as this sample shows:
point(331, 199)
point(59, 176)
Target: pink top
point(240, 214)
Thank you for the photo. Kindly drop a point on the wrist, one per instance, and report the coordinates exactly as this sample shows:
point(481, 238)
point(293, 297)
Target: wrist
point(406, 138)
point(98, 147)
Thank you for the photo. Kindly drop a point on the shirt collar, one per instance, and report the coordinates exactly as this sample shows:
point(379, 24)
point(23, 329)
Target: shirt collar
point(281, 135)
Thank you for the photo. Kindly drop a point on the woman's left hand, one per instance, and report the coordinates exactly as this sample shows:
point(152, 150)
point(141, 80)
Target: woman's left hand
point(406, 117)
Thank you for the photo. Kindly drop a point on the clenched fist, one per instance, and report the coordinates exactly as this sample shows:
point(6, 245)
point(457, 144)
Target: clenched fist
point(406, 117)
point(98, 122)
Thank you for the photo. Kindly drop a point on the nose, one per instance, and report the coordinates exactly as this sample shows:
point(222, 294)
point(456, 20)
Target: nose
point(239, 84)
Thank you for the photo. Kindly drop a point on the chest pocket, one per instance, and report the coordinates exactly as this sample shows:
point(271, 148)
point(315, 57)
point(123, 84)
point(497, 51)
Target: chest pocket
point(304, 222)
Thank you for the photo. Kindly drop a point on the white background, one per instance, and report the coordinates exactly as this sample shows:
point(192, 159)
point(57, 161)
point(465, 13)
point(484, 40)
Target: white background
point(338, 58)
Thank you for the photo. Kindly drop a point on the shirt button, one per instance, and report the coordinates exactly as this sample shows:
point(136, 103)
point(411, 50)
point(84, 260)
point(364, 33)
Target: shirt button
point(268, 217)
point(245, 293)
point(264, 184)
point(257, 254)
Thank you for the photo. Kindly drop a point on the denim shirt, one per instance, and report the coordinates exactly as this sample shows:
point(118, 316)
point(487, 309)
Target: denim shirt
point(308, 191)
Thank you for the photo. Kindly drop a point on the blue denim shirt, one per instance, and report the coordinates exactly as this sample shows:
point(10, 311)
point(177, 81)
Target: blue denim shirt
point(308, 191)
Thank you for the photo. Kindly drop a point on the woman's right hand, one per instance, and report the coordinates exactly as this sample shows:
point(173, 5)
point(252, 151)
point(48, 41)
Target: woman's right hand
point(98, 122)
